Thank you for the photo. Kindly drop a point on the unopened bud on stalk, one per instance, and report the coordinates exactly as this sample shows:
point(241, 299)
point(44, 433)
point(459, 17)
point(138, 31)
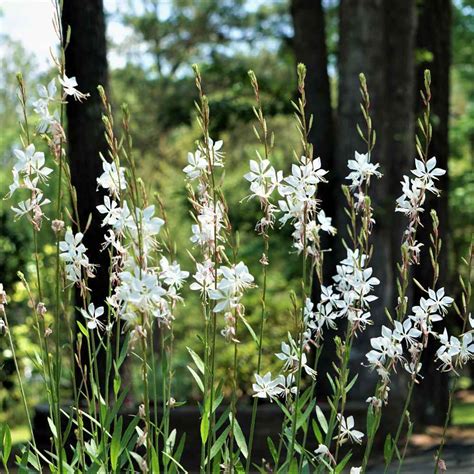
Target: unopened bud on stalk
point(41, 309)
point(57, 226)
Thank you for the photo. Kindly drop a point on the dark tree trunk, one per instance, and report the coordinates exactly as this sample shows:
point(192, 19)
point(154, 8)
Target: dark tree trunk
point(377, 37)
point(433, 42)
point(86, 60)
point(309, 45)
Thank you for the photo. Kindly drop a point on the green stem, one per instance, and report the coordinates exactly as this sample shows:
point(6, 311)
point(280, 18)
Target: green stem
point(259, 359)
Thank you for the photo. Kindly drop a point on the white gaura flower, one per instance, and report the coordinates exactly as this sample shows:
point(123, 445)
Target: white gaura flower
point(362, 169)
point(467, 348)
point(226, 299)
point(411, 201)
point(92, 316)
point(303, 179)
point(47, 93)
point(217, 156)
point(322, 450)
point(111, 210)
point(73, 253)
point(144, 227)
point(69, 86)
point(172, 274)
point(197, 165)
point(263, 178)
point(449, 349)
point(325, 223)
point(406, 332)
point(428, 172)
point(32, 205)
point(236, 278)
point(347, 430)
point(438, 301)
point(141, 289)
point(265, 387)
point(112, 179)
point(204, 277)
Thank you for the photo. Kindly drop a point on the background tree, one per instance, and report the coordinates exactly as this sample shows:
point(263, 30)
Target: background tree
point(309, 46)
point(371, 32)
point(433, 50)
point(86, 59)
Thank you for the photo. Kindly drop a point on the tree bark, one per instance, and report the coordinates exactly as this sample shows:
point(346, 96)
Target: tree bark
point(433, 43)
point(309, 45)
point(377, 37)
point(86, 59)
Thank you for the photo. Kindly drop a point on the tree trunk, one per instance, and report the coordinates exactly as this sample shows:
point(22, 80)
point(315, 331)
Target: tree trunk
point(377, 37)
point(86, 60)
point(433, 42)
point(309, 45)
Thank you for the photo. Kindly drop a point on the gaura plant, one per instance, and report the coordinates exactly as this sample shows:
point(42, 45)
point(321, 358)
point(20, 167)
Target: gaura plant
point(88, 429)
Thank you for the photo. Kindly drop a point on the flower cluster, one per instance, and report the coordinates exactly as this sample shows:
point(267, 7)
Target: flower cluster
point(73, 254)
point(140, 286)
point(29, 171)
point(410, 203)
point(404, 343)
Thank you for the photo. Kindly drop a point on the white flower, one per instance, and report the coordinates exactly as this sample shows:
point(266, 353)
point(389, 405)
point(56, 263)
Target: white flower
point(92, 316)
point(69, 85)
point(303, 179)
point(265, 387)
point(263, 178)
point(449, 349)
point(406, 332)
point(438, 301)
point(112, 179)
point(355, 470)
point(217, 156)
point(236, 278)
point(325, 223)
point(73, 253)
point(172, 274)
point(347, 430)
point(410, 202)
point(197, 165)
point(111, 210)
point(428, 172)
point(32, 205)
point(362, 169)
point(467, 348)
point(226, 299)
point(204, 276)
point(321, 450)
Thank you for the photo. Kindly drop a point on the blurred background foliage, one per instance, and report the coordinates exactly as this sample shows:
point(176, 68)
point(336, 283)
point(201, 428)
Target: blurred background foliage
point(154, 77)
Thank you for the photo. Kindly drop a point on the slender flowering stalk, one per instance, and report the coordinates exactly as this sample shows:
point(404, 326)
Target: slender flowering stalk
point(263, 181)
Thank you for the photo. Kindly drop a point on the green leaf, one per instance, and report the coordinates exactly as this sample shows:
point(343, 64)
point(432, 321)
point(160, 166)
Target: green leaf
point(250, 330)
point(82, 329)
point(155, 465)
point(322, 419)
point(196, 378)
point(239, 437)
point(216, 447)
point(387, 449)
point(272, 449)
point(317, 432)
point(52, 427)
point(351, 383)
point(204, 427)
point(6, 442)
point(115, 447)
point(343, 463)
point(197, 360)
